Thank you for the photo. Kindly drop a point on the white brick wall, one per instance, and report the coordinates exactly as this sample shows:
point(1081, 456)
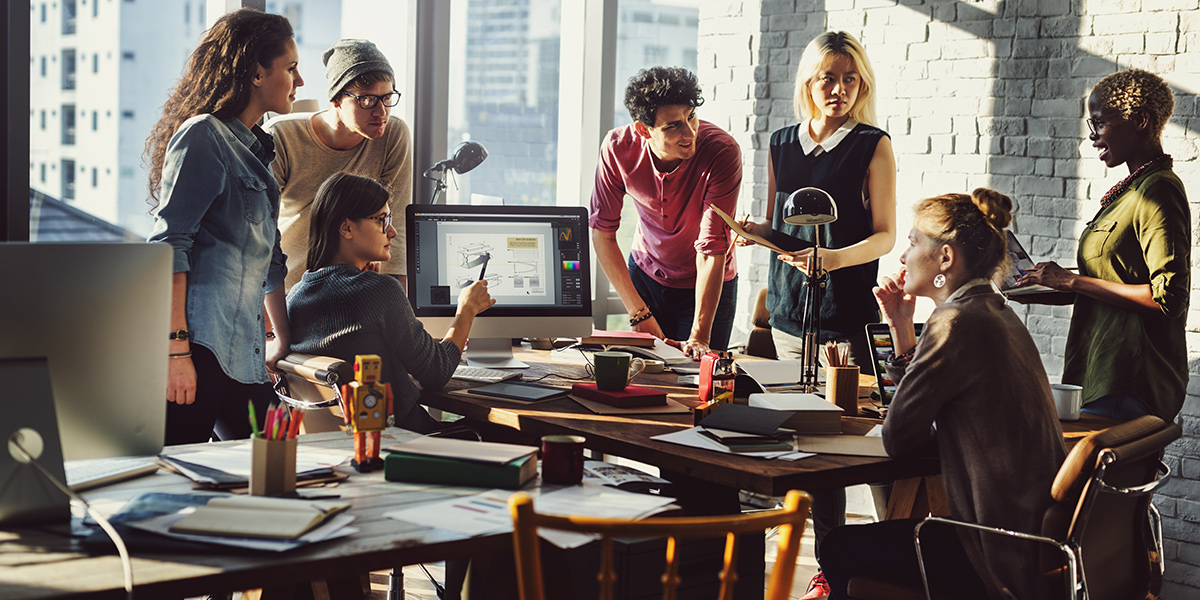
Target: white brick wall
point(982, 93)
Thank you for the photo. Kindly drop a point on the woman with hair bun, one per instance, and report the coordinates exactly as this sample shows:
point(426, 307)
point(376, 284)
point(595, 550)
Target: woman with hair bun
point(972, 389)
point(1127, 344)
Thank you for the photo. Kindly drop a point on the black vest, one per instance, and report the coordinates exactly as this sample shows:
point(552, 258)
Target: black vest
point(848, 304)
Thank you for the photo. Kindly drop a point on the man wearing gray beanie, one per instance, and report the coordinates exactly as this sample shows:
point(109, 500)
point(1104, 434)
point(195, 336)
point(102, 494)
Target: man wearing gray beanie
point(356, 133)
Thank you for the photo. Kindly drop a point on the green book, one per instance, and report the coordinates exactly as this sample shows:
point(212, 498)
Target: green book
point(422, 467)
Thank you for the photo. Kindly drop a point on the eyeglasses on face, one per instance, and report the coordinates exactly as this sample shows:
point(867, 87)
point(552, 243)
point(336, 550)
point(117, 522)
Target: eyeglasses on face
point(367, 101)
point(1097, 124)
point(384, 221)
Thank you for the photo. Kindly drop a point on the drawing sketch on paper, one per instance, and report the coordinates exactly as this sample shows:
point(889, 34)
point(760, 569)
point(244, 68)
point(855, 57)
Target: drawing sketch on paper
point(517, 266)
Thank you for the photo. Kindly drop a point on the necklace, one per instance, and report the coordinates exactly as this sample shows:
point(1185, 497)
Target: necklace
point(1123, 185)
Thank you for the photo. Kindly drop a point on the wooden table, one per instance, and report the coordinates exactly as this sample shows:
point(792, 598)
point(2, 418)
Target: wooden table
point(629, 437)
point(41, 563)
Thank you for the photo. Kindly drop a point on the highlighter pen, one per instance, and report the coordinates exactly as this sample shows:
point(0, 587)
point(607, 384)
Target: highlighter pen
point(487, 256)
point(253, 420)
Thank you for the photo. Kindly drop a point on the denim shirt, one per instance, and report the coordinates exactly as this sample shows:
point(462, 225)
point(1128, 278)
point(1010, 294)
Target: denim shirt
point(219, 208)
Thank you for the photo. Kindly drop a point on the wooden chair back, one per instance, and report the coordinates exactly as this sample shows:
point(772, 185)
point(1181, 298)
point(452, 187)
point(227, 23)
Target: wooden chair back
point(789, 519)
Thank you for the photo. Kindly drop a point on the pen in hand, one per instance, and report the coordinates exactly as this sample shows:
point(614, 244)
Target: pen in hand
point(487, 256)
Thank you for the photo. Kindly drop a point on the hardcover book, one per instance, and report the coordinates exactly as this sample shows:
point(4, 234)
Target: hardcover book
point(633, 396)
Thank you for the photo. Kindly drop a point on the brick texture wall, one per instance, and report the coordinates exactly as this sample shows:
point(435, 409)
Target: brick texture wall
point(982, 93)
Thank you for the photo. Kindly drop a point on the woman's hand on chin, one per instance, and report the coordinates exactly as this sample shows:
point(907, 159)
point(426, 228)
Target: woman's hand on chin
point(897, 306)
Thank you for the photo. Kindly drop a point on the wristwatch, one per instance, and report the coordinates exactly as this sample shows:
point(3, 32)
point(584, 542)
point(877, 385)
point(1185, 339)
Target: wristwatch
point(182, 335)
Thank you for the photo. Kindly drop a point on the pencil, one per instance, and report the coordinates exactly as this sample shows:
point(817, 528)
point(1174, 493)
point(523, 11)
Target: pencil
point(253, 420)
point(487, 256)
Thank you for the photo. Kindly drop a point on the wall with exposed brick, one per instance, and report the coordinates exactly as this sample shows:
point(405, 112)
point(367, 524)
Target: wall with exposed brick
point(982, 93)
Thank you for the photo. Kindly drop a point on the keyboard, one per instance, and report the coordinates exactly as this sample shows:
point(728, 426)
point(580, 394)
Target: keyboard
point(484, 374)
point(92, 473)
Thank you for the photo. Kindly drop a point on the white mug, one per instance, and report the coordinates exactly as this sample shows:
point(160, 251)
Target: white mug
point(1067, 400)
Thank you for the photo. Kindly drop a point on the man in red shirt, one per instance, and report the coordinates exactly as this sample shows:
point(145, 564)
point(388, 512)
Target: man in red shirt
point(680, 282)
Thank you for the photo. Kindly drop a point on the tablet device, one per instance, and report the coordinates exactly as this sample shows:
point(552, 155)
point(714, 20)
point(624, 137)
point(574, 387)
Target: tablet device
point(1019, 262)
point(882, 347)
point(521, 392)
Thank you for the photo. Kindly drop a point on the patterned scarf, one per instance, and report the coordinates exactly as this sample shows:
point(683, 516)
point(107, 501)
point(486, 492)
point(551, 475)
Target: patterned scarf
point(1123, 185)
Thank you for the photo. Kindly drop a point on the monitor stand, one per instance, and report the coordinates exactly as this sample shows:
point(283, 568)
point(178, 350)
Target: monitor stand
point(492, 353)
point(26, 497)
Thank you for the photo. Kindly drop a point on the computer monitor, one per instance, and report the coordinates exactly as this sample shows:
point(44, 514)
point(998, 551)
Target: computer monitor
point(99, 315)
point(538, 269)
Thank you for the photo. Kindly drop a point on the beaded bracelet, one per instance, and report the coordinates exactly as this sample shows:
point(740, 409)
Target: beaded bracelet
point(636, 320)
point(902, 359)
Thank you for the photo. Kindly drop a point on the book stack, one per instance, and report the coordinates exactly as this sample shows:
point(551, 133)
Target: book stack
point(602, 337)
point(633, 396)
point(461, 462)
point(810, 413)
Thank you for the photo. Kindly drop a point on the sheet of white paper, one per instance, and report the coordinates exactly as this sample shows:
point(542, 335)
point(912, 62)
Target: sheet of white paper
point(876, 431)
point(335, 527)
point(772, 372)
point(235, 460)
point(479, 514)
point(691, 437)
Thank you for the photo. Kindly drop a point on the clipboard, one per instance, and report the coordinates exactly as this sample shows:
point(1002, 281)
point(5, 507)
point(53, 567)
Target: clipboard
point(775, 240)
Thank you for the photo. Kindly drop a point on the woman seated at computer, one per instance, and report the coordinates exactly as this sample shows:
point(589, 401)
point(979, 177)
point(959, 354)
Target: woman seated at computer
point(972, 389)
point(343, 306)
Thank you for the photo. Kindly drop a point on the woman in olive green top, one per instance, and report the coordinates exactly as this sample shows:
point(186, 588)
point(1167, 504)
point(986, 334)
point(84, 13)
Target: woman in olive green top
point(1126, 345)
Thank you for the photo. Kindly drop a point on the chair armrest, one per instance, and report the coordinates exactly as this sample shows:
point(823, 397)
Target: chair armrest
point(1069, 552)
point(1138, 490)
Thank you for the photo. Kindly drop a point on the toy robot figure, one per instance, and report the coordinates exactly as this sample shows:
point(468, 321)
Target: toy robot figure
point(366, 404)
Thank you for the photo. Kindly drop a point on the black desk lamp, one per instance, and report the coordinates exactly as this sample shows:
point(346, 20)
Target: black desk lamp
point(811, 206)
point(466, 156)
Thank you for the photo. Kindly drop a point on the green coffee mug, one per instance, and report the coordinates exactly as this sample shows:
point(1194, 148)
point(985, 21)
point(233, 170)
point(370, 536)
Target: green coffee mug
point(614, 370)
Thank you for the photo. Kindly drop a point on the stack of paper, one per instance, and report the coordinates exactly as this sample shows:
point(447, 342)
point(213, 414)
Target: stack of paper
point(810, 413)
point(257, 517)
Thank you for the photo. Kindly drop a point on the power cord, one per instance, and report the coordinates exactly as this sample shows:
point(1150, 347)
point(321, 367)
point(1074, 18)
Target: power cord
point(126, 565)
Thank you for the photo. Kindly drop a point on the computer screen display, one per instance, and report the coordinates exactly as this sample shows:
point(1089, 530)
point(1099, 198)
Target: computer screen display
point(535, 259)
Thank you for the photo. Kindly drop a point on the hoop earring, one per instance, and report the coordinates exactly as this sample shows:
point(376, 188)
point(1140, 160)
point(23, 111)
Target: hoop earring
point(939, 280)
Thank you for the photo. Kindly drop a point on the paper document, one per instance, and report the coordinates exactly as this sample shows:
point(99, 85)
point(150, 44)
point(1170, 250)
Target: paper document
point(774, 239)
point(235, 461)
point(771, 372)
point(335, 527)
point(692, 437)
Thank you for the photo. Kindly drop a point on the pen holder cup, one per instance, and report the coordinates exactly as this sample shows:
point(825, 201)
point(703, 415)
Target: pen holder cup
point(272, 466)
point(841, 388)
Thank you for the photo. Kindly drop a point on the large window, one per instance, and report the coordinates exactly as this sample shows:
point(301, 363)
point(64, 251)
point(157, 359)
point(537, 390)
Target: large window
point(504, 64)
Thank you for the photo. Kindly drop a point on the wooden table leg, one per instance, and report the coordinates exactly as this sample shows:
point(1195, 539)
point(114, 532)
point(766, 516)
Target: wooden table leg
point(918, 497)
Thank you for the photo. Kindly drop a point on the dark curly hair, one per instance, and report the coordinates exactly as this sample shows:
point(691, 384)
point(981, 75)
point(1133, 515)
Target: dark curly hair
point(218, 78)
point(660, 86)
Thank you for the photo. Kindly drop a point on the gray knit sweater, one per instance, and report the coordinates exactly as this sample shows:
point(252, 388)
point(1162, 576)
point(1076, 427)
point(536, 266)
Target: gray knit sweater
point(340, 311)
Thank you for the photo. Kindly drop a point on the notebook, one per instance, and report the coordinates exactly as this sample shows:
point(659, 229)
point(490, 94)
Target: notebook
point(880, 337)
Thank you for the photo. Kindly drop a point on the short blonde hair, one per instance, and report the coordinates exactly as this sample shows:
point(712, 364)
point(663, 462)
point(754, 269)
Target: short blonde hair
point(1134, 88)
point(835, 42)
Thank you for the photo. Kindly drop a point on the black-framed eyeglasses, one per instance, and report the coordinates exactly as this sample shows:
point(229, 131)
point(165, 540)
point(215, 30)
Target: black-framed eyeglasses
point(384, 221)
point(367, 101)
point(1095, 125)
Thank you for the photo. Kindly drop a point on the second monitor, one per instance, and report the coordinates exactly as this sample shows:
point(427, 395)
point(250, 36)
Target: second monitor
point(536, 261)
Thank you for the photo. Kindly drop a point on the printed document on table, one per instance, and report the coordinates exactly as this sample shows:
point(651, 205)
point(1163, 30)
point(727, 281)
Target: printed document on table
point(691, 437)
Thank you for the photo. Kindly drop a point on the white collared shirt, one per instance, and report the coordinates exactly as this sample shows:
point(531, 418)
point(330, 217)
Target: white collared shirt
point(812, 147)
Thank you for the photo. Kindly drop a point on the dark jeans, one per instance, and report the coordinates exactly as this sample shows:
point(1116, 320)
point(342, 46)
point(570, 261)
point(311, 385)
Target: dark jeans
point(829, 506)
point(1116, 406)
point(221, 407)
point(885, 551)
point(675, 308)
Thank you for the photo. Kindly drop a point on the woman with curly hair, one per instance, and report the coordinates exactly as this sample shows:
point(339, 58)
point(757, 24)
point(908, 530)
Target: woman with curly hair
point(216, 203)
point(972, 389)
point(1126, 345)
